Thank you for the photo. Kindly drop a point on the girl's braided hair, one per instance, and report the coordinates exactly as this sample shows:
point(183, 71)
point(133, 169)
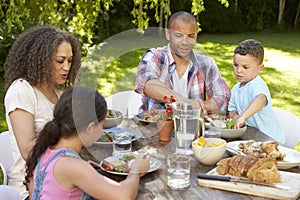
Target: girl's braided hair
point(76, 108)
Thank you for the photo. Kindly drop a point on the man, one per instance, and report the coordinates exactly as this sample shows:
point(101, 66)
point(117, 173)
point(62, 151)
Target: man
point(176, 70)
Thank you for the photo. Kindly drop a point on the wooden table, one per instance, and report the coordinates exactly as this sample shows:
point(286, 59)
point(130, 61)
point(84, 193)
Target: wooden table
point(153, 185)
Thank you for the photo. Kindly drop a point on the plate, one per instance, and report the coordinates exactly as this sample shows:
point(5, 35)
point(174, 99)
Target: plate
point(135, 134)
point(140, 117)
point(154, 164)
point(292, 158)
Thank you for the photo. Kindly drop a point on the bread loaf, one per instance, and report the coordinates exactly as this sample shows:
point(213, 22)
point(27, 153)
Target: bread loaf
point(256, 169)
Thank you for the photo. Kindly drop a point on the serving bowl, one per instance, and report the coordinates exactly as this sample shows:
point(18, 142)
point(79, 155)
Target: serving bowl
point(229, 133)
point(113, 118)
point(210, 153)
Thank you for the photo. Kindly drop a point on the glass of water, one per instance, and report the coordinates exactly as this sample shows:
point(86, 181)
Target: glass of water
point(178, 176)
point(122, 143)
point(212, 132)
point(186, 126)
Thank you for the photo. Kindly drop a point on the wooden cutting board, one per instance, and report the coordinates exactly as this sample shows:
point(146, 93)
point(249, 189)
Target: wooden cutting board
point(289, 179)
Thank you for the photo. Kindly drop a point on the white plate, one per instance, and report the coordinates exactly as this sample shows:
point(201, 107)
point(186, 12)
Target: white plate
point(135, 133)
point(292, 158)
point(4, 181)
point(140, 117)
point(154, 164)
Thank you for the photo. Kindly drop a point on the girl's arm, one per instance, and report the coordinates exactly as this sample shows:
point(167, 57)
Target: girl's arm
point(72, 172)
point(23, 127)
point(256, 105)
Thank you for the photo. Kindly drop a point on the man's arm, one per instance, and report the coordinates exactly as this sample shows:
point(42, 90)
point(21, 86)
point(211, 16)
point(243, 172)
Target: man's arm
point(157, 91)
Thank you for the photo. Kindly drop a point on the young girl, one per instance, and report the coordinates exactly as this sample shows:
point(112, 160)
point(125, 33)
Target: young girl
point(54, 169)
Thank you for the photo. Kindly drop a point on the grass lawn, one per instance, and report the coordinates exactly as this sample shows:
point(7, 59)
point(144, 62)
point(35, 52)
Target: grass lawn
point(116, 72)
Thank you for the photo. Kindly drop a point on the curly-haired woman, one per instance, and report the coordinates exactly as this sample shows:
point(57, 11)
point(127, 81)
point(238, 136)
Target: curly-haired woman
point(42, 62)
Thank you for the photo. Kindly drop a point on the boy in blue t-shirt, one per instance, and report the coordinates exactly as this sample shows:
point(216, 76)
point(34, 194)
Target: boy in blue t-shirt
point(250, 101)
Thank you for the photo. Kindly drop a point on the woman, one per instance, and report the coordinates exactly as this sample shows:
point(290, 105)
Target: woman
point(41, 63)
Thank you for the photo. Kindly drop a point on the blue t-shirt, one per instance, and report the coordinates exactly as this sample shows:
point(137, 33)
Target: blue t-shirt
point(265, 119)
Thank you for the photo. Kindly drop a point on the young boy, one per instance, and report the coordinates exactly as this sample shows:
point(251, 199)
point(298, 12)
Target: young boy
point(250, 101)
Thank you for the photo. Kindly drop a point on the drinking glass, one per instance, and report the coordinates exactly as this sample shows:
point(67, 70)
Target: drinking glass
point(186, 126)
point(122, 143)
point(178, 176)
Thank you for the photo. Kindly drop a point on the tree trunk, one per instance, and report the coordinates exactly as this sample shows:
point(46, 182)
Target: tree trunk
point(297, 18)
point(281, 11)
point(161, 19)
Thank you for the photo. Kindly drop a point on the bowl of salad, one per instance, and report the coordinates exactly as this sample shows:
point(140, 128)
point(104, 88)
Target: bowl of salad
point(227, 131)
point(113, 118)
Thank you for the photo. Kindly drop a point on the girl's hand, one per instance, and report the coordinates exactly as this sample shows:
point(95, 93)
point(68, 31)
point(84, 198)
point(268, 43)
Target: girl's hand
point(140, 165)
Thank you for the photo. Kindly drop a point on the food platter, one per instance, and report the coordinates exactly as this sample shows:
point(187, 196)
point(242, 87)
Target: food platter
point(154, 164)
point(292, 158)
point(107, 133)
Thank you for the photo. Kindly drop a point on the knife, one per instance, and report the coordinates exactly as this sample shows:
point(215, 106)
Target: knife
point(242, 180)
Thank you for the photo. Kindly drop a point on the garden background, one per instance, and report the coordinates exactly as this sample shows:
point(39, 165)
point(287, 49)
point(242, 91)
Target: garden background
point(105, 27)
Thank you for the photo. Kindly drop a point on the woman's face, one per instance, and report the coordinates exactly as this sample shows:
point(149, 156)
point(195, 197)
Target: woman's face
point(61, 63)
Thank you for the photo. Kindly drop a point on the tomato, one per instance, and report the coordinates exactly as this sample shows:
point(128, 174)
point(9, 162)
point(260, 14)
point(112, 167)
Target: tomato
point(108, 168)
point(127, 169)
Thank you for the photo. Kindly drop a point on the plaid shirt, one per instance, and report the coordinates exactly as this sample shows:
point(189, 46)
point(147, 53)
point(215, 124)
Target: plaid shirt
point(204, 78)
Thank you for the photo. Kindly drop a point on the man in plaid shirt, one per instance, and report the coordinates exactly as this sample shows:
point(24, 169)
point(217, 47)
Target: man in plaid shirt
point(176, 70)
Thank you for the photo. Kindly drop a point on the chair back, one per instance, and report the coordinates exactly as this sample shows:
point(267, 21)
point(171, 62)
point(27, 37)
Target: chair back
point(9, 193)
point(290, 124)
point(127, 102)
point(6, 158)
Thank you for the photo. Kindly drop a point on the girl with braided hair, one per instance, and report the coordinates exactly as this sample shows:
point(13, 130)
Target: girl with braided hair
point(54, 169)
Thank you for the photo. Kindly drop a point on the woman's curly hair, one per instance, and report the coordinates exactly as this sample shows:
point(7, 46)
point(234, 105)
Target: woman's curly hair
point(31, 55)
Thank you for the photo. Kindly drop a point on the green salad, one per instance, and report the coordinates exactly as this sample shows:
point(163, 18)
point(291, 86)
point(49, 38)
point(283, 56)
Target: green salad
point(106, 137)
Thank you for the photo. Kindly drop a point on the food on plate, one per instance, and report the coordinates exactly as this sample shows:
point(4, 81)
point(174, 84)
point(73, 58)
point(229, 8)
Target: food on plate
point(202, 142)
point(262, 149)
point(297, 147)
point(106, 137)
point(256, 169)
point(121, 165)
point(111, 114)
point(223, 124)
point(153, 117)
point(230, 123)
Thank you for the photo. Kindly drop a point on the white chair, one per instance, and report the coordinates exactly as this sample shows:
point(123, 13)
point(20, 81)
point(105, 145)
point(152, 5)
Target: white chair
point(128, 102)
point(5, 150)
point(9, 193)
point(290, 124)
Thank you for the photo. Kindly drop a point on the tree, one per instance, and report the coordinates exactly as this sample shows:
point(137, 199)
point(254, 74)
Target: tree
point(162, 10)
point(297, 18)
point(281, 11)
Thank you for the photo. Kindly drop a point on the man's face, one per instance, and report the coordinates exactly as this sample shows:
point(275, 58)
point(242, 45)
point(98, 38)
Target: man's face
point(182, 37)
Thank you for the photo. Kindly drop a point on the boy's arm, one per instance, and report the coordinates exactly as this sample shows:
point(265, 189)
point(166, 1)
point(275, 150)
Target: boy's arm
point(256, 105)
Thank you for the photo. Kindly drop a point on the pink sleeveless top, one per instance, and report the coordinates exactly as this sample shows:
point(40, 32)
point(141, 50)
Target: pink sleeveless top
point(51, 188)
